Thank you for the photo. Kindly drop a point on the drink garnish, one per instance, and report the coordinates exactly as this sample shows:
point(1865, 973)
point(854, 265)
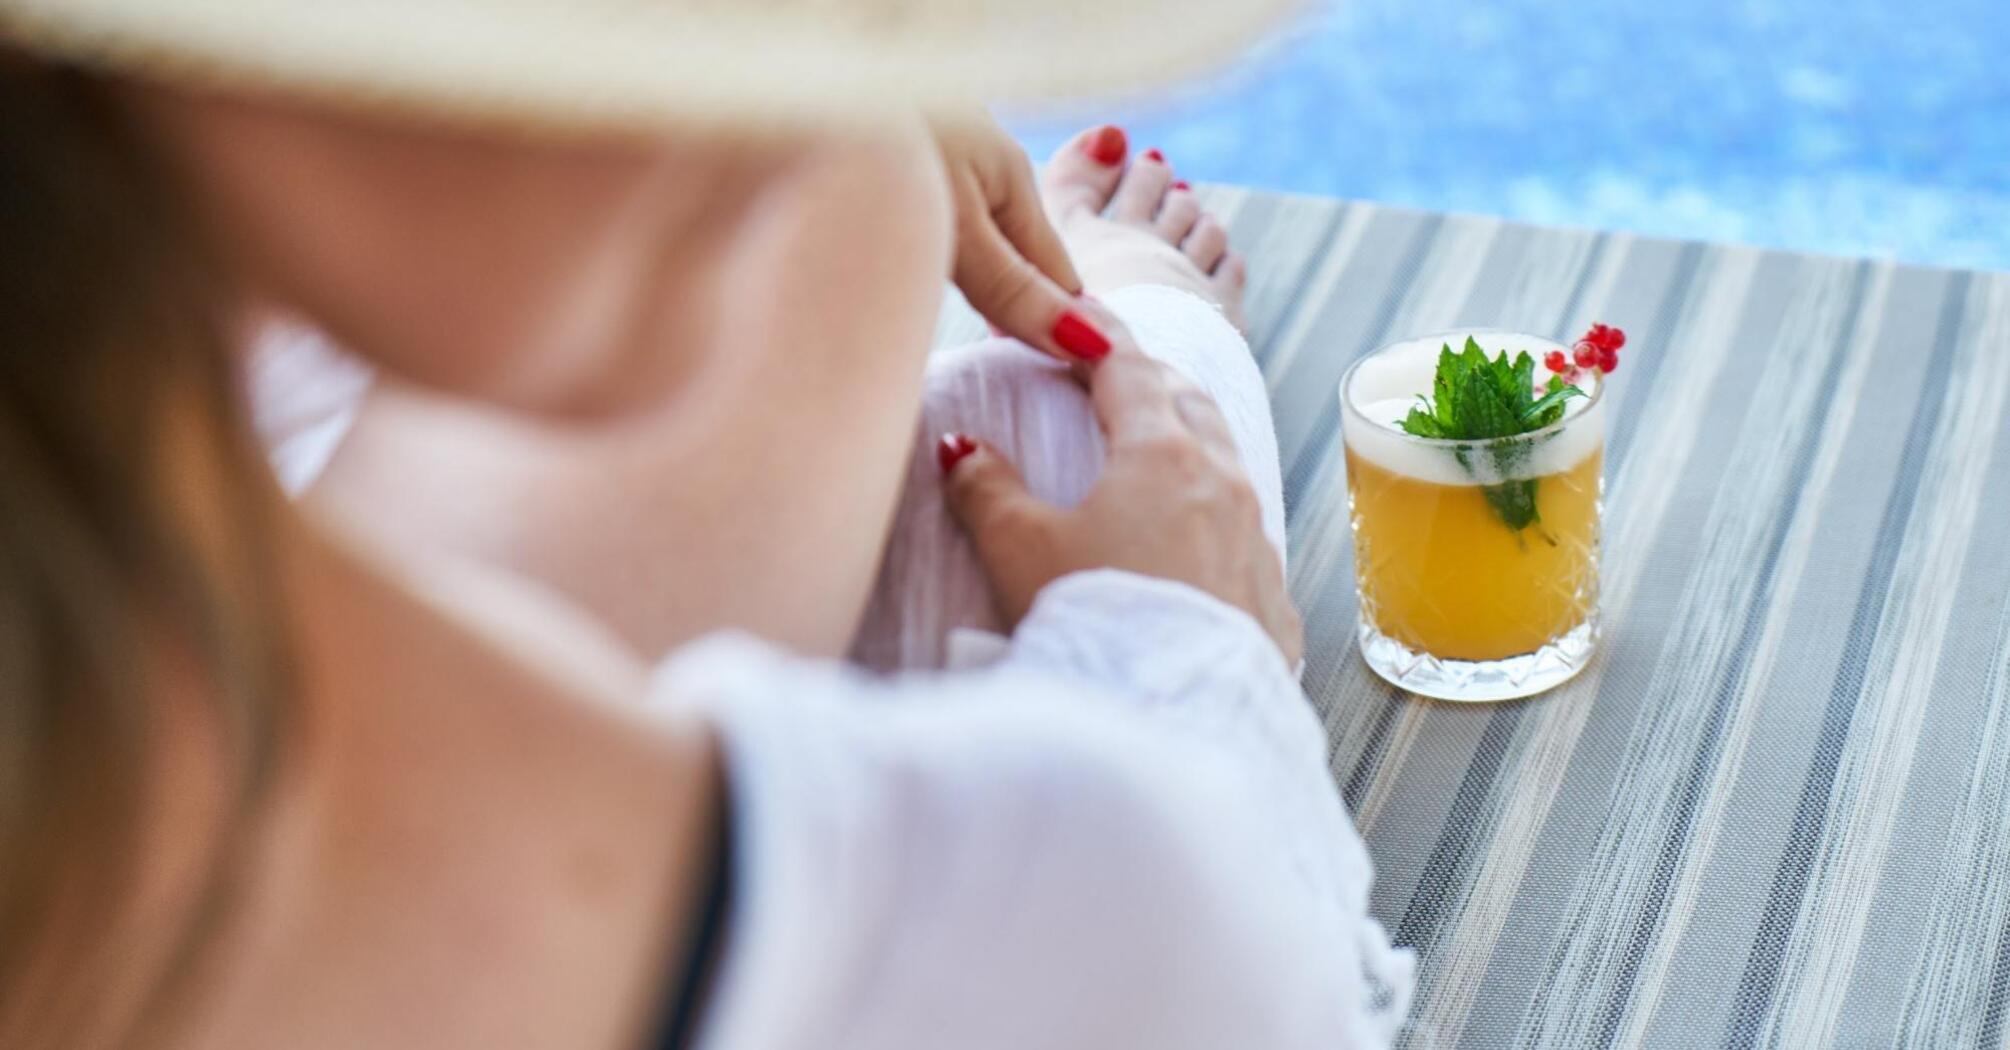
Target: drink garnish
point(1597, 348)
point(1480, 399)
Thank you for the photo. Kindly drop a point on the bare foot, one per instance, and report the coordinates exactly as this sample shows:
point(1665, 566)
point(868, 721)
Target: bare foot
point(1134, 223)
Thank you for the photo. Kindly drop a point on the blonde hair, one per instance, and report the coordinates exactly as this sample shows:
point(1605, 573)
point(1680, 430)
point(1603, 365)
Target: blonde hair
point(132, 514)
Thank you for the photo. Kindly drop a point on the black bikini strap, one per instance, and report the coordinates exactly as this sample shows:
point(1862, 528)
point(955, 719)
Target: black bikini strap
point(701, 955)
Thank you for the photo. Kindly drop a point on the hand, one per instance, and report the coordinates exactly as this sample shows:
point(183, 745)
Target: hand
point(1010, 263)
point(1172, 502)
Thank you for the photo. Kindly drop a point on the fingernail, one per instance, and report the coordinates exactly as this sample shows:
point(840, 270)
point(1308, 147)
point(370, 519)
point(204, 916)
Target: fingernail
point(1154, 154)
point(1107, 146)
point(953, 449)
point(1078, 336)
point(1181, 184)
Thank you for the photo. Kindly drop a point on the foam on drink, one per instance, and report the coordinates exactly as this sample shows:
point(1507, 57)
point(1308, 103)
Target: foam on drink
point(1384, 388)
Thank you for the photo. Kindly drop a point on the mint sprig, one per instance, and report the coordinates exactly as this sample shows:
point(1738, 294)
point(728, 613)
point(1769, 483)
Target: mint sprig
point(1477, 398)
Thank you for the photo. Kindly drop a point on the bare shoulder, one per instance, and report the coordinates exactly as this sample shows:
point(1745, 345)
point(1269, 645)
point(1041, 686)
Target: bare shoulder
point(488, 755)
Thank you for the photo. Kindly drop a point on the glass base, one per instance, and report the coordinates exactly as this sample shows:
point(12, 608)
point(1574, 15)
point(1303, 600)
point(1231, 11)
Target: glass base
point(1479, 681)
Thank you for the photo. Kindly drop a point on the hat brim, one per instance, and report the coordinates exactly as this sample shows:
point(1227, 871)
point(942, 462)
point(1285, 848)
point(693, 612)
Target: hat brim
point(578, 66)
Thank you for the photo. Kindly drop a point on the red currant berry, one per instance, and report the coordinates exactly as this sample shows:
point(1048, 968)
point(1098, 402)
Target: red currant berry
point(1585, 354)
point(1555, 361)
point(1604, 337)
point(1608, 360)
point(1573, 375)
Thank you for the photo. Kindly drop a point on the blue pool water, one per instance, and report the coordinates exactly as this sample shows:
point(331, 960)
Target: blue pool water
point(1876, 127)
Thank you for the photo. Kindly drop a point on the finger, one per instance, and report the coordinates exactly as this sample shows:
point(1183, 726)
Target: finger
point(983, 488)
point(1017, 298)
point(990, 500)
point(1286, 626)
point(1023, 220)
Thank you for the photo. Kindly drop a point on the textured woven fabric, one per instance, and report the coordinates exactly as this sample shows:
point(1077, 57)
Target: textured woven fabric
point(1776, 809)
point(932, 600)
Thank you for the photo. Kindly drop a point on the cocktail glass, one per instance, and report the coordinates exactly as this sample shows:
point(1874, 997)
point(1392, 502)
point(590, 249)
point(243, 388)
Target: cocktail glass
point(1476, 561)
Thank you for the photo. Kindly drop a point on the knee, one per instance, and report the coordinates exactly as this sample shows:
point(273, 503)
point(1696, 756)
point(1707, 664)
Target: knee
point(1028, 406)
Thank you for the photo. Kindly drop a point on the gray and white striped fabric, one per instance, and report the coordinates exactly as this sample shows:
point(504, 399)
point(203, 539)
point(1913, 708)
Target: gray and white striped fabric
point(1776, 809)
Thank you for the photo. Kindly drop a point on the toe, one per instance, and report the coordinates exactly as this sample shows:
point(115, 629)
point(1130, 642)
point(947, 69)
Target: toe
point(1142, 188)
point(1206, 244)
point(1178, 214)
point(1229, 281)
point(1232, 276)
point(1083, 173)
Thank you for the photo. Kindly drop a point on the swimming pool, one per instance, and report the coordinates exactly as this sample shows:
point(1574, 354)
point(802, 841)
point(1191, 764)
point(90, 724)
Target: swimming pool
point(1873, 127)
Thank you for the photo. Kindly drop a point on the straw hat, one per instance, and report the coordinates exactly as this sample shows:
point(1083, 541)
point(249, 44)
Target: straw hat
point(648, 63)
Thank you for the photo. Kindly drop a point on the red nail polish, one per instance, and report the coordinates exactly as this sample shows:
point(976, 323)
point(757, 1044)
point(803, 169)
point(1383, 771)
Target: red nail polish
point(951, 450)
point(1154, 154)
point(1107, 146)
point(1078, 336)
point(1181, 184)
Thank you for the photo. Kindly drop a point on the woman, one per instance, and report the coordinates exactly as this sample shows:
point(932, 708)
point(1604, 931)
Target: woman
point(271, 784)
point(629, 525)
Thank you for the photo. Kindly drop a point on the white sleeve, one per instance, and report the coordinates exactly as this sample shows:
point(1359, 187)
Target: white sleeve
point(1123, 834)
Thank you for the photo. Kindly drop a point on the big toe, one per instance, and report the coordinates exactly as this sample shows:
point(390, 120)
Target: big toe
point(1083, 173)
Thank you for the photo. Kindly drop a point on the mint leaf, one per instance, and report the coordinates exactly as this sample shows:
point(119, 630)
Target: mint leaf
point(1549, 408)
point(1514, 501)
point(1451, 371)
point(1481, 409)
point(1477, 398)
point(1524, 373)
point(1421, 423)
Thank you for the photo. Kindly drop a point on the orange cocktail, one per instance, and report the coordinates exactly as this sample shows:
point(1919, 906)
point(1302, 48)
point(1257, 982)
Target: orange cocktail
point(1476, 560)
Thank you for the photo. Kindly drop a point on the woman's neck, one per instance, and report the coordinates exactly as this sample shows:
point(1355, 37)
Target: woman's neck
point(478, 840)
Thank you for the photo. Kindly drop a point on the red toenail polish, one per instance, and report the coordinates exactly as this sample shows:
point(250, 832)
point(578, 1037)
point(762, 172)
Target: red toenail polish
point(1107, 146)
point(1078, 336)
point(1181, 184)
point(1154, 154)
point(951, 450)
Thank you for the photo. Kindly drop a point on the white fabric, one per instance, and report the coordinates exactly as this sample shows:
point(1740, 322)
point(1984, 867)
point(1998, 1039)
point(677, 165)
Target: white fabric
point(932, 598)
point(304, 395)
point(1122, 834)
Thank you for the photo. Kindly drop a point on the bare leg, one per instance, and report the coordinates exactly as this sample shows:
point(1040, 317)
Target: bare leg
point(1152, 256)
